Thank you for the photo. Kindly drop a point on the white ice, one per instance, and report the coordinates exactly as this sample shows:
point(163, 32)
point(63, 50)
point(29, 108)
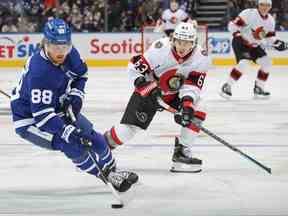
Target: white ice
point(34, 181)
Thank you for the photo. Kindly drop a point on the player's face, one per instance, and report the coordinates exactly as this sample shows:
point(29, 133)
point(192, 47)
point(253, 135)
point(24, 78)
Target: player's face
point(264, 8)
point(183, 47)
point(58, 52)
point(173, 6)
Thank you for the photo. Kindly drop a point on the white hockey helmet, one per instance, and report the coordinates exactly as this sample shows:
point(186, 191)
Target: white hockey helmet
point(265, 2)
point(185, 31)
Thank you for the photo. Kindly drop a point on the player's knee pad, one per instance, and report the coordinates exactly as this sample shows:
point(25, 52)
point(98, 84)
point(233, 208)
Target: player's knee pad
point(242, 65)
point(265, 63)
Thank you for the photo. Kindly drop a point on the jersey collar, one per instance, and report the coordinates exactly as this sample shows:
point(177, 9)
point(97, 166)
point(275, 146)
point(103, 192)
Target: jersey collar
point(263, 17)
point(179, 59)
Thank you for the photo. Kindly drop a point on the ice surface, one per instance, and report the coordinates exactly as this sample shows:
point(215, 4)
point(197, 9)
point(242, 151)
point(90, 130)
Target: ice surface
point(34, 181)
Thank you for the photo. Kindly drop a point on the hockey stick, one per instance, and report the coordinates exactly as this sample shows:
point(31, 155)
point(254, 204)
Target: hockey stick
point(101, 174)
point(4, 93)
point(219, 139)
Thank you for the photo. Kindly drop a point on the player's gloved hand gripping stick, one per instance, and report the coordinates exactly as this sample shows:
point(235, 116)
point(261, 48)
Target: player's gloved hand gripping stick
point(209, 133)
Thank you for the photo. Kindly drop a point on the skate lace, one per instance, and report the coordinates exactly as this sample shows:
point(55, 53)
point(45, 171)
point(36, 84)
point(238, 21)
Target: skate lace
point(227, 88)
point(124, 174)
point(116, 178)
point(187, 152)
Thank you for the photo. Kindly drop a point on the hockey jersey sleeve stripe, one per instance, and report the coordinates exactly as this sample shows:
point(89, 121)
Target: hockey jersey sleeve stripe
point(23, 122)
point(47, 110)
point(192, 91)
point(45, 120)
point(44, 135)
point(196, 78)
point(77, 92)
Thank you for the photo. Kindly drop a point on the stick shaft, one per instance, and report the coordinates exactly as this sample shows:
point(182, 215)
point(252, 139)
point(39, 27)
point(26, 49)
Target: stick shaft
point(219, 139)
point(4, 93)
point(92, 156)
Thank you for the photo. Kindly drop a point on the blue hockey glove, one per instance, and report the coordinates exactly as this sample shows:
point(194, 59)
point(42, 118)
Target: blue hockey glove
point(75, 100)
point(72, 135)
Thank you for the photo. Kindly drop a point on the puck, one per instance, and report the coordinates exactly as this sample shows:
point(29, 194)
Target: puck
point(117, 206)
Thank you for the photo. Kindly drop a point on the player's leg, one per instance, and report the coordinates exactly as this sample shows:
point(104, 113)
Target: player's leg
point(183, 159)
point(263, 73)
point(137, 116)
point(78, 154)
point(242, 54)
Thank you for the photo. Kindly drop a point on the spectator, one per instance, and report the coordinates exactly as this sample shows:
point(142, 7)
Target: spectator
point(171, 17)
point(9, 25)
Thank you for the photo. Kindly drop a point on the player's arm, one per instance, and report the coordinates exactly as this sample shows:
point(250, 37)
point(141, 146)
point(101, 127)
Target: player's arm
point(272, 40)
point(189, 95)
point(79, 76)
point(43, 102)
point(138, 68)
point(239, 23)
point(79, 70)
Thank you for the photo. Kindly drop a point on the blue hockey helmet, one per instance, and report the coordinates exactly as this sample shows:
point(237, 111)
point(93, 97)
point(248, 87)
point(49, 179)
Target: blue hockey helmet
point(57, 31)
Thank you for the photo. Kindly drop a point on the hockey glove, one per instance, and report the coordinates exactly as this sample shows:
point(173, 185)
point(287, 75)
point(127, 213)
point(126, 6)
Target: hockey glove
point(146, 88)
point(280, 45)
point(72, 135)
point(186, 113)
point(259, 33)
point(75, 100)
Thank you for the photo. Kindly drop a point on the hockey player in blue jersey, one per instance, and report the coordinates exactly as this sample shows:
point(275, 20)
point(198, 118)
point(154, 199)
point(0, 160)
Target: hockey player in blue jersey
point(53, 80)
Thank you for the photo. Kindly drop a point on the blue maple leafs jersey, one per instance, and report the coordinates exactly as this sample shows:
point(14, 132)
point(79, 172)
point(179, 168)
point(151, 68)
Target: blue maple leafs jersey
point(38, 97)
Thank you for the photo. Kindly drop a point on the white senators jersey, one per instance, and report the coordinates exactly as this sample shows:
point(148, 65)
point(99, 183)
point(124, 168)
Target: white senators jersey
point(248, 21)
point(174, 75)
point(171, 18)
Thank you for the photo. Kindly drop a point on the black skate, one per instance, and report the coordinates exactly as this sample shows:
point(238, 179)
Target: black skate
point(182, 161)
point(122, 180)
point(260, 93)
point(226, 91)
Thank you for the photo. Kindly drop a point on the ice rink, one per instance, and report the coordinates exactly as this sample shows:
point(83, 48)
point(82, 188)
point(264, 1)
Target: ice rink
point(34, 181)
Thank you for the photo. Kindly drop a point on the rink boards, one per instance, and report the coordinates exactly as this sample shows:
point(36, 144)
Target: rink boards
point(115, 49)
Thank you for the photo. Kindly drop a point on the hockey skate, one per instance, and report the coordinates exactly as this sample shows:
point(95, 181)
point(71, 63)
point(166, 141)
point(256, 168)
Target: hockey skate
point(226, 91)
point(121, 180)
point(260, 93)
point(182, 160)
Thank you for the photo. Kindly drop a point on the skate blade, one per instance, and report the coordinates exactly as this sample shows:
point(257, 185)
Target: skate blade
point(128, 196)
point(224, 95)
point(185, 168)
point(261, 97)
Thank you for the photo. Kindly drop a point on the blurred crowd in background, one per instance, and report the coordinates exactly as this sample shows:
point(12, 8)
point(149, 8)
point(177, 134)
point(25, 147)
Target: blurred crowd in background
point(112, 15)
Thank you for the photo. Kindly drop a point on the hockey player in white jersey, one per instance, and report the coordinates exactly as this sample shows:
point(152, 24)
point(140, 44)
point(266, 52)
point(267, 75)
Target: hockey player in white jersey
point(53, 80)
point(174, 71)
point(253, 30)
point(171, 17)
